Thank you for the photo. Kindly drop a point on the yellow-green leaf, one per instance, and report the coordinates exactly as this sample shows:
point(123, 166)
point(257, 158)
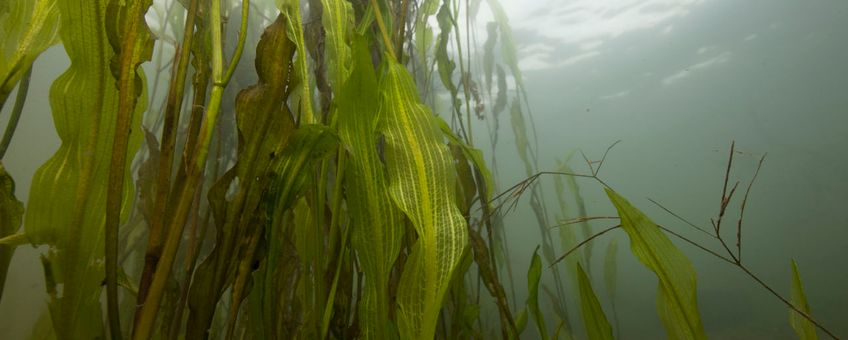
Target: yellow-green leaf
point(422, 184)
point(68, 193)
point(27, 28)
point(338, 25)
point(594, 319)
point(677, 300)
point(376, 223)
point(294, 29)
point(803, 327)
point(533, 276)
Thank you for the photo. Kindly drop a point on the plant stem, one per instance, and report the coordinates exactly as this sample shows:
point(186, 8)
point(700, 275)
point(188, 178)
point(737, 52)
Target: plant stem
point(386, 39)
point(184, 192)
point(20, 99)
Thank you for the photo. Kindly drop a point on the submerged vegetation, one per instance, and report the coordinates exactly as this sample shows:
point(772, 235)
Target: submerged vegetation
point(311, 173)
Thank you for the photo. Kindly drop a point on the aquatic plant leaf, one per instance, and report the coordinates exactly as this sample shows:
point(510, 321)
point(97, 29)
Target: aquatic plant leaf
point(294, 29)
point(265, 126)
point(422, 184)
point(445, 63)
point(27, 28)
point(338, 25)
point(68, 193)
point(594, 319)
point(533, 276)
point(581, 212)
point(423, 32)
point(473, 154)
point(521, 320)
point(610, 277)
point(802, 326)
point(376, 223)
point(567, 236)
point(519, 128)
point(489, 53)
point(489, 276)
point(509, 52)
point(677, 300)
point(11, 211)
point(501, 99)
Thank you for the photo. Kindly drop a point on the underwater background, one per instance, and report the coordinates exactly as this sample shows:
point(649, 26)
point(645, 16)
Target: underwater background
point(676, 82)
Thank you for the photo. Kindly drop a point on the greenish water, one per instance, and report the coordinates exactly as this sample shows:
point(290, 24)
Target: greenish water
point(677, 81)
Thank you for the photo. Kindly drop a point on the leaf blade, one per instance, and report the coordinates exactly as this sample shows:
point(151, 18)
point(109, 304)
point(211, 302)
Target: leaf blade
point(421, 183)
point(677, 303)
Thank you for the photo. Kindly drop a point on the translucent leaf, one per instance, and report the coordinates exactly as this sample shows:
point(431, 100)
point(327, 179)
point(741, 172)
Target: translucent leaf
point(376, 223)
point(489, 53)
point(338, 23)
point(27, 28)
point(422, 184)
point(68, 193)
point(533, 276)
point(803, 327)
point(594, 319)
point(294, 29)
point(677, 301)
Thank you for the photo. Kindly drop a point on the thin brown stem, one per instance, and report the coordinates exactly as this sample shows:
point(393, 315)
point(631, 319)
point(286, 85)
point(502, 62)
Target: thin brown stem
point(742, 209)
point(681, 218)
point(583, 219)
point(575, 248)
point(786, 302)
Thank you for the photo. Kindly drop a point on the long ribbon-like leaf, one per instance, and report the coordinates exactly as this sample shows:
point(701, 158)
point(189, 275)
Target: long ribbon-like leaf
point(597, 326)
point(294, 28)
point(422, 184)
point(677, 302)
point(338, 25)
point(376, 223)
point(68, 193)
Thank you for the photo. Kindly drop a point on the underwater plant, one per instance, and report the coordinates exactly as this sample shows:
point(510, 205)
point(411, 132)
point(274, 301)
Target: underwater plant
point(300, 176)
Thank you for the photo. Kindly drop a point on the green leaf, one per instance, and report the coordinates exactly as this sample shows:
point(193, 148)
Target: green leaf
point(610, 277)
point(423, 31)
point(376, 223)
point(68, 193)
point(265, 126)
point(27, 28)
point(294, 29)
point(533, 276)
point(472, 154)
point(594, 319)
point(338, 25)
point(11, 211)
point(445, 63)
point(802, 326)
point(519, 128)
point(677, 300)
point(509, 52)
point(489, 53)
point(521, 320)
point(422, 184)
